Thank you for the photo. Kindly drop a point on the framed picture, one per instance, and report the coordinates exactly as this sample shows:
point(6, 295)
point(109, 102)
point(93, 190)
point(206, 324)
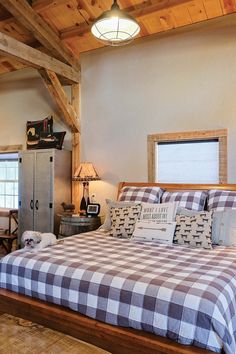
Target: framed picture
point(93, 209)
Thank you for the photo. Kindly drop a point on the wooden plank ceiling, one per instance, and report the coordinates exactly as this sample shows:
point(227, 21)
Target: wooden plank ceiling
point(71, 21)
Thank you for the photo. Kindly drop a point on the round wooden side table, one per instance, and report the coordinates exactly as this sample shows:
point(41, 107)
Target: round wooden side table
point(73, 225)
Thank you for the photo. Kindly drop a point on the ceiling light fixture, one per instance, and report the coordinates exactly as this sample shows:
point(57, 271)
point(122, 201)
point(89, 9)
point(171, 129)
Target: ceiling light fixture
point(115, 27)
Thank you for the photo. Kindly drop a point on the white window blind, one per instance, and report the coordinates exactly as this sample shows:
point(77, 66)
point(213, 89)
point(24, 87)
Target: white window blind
point(187, 162)
point(9, 181)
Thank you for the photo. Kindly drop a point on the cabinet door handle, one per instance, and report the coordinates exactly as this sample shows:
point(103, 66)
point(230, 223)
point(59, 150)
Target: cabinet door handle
point(37, 205)
point(31, 204)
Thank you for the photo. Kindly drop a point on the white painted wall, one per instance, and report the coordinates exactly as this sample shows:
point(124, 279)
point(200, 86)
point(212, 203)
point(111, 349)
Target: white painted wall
point(180, 81)
point(23, 97)
point(183, 80)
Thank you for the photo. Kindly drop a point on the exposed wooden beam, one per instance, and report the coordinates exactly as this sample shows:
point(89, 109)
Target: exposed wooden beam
point(39, 28)
point(145, 8)
point(38, 6)
point(44, 5)
point(75, 101)
point(33, 57)
point(59, 96)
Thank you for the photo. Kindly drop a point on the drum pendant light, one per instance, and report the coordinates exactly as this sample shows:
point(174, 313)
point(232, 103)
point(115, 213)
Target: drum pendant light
point(115, 27)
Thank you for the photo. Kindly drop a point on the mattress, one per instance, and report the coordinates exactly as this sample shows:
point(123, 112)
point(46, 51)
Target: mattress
point(185, 294)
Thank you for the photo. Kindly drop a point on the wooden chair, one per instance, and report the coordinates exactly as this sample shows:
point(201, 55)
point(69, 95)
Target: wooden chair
point(7, 238)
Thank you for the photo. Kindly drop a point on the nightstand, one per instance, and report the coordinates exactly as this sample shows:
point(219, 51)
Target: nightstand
point(73, 225)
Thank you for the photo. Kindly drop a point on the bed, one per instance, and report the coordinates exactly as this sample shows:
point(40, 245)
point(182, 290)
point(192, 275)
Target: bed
point(44, 288)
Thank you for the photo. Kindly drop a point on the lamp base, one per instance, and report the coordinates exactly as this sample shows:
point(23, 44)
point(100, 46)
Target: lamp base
point(85, 199)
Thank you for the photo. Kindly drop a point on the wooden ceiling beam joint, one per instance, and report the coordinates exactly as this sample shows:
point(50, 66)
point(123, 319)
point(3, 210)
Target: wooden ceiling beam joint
point(59, 96)
point(35, 58)
point(40, 29)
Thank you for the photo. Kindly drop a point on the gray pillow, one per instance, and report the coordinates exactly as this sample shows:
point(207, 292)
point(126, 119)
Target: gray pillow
point(224, 227)
point(187, 212)
point(106, 226)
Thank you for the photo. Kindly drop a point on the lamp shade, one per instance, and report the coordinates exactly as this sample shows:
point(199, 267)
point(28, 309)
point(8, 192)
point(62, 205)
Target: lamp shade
point(115, 27)
point(86, 172)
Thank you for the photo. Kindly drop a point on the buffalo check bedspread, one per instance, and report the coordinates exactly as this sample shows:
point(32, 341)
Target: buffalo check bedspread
point(186, 294)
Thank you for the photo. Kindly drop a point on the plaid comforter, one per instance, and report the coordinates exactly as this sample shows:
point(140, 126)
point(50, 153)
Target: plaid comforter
point(188, 295)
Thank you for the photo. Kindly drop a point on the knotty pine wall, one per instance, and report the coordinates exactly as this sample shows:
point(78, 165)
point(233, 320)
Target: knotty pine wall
point(183, 80)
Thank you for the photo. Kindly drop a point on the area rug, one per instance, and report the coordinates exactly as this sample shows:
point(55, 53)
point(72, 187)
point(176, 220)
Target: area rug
point(18, 336)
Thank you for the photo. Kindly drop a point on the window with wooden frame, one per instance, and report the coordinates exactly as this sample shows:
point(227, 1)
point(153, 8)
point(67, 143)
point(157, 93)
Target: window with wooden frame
point(188, 157)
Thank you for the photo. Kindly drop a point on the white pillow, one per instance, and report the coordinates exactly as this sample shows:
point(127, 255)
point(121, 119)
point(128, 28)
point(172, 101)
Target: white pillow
point(153, 231)
point(164, 212)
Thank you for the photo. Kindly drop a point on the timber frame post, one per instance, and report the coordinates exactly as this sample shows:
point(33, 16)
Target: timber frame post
point(75, 101)
point(70, 114)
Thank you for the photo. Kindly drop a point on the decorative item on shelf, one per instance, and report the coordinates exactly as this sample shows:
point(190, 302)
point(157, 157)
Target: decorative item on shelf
point(51, 140)
point(40, 135)
point(68, 208)
point(85, 173)
point(115, 27)
point(35, 128)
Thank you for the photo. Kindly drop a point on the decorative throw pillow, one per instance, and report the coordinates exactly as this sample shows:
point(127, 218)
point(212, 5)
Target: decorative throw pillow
point(224, 227)
point(194, 230)
point(159, 212)
point(110, 204)
point(194, 200)
point(34, 128)
point(123, 220)
point(221, 200)
point(141, 194)
point(153, 231)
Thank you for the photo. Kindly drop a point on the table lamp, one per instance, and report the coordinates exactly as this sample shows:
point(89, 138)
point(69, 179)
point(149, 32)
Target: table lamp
point(85, 173)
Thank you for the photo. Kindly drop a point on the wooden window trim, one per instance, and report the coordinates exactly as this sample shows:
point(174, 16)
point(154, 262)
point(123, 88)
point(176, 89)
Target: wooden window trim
point(11, 148)
point(220, 134)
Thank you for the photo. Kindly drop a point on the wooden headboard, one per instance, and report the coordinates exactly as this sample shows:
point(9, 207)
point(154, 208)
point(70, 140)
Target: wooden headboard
point(178, 187)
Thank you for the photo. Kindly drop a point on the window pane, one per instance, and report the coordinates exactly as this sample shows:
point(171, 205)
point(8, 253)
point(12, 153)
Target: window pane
point(11, 174)
point(2, 187)
point(2, 201)
point(9, 202)
point(190, 162)
point(2, 173)
point(9, 188)
point(16, 188)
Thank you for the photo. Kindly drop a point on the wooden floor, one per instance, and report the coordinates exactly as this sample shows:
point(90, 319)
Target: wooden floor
point(18, 336)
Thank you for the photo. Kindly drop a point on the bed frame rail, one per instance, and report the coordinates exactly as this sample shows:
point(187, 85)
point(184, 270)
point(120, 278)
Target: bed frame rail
point(117, 340)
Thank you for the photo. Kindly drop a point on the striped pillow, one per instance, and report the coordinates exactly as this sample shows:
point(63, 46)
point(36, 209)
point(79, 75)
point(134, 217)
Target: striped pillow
point(221, 200)
point(193, 200)
point(141, 194)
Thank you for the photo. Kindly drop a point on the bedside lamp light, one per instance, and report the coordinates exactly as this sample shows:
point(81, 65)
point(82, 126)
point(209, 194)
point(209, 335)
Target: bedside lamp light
point(85, 173)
